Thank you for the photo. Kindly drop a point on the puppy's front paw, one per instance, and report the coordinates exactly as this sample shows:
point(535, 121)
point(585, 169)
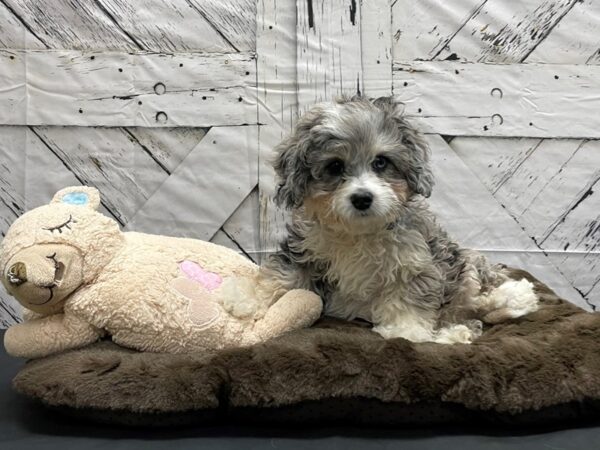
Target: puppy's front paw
point(510, 300)
point(456, 334)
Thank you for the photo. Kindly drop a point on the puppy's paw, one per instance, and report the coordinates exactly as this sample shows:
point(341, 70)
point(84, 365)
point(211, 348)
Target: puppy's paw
point(456, 334)
point(510, 300)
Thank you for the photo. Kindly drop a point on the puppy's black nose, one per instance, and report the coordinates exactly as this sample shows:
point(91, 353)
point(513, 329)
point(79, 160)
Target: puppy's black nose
point(362, 200)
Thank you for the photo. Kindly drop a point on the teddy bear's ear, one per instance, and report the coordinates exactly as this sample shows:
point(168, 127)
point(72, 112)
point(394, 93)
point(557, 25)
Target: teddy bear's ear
point(78, 196)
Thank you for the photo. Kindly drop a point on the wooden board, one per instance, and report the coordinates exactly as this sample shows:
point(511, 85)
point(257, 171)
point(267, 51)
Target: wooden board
point(123, 89)
point(472, 99)
point(206, 188)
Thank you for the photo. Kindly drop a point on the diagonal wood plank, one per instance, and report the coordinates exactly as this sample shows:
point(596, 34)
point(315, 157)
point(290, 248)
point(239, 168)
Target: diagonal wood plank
point(575, 39)
point(166, 26)
point(14, 33)
point(472, 216)
point(504, 31)
point(235, 19)
point(108, 159)
point(206, 188)
point(168, 146)
point(424, 28)
point(81, 25)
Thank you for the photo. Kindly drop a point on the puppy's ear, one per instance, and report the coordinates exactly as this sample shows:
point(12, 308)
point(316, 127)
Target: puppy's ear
point(419, 174)
point(292, 169)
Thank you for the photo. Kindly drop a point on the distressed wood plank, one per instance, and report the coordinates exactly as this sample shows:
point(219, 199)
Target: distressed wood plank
point(493, 160)
point(506, 31)
point(168, 146)
point(549, 183)
point(422, 29)
point(171, 26)
point(206, 188)
point(235, 19)
point(14, 34)
point(241, 230)
point(472, 216)
point(376, 47)
point(329, 50)
point(122, 89)
point(528, 100)
point(278, 103)
point(575, 40)
point(80, 25)
point(108, 159)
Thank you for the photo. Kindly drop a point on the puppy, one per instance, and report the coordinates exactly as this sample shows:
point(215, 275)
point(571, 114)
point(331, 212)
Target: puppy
point(355, 175)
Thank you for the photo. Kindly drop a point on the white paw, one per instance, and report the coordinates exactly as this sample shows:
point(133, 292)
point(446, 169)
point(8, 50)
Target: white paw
point(238, 297)
point(510, 300)
point(455, 334)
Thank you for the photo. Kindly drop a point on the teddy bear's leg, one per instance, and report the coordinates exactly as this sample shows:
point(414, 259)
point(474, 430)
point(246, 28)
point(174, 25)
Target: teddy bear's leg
point(295, 309)
point(51, 334)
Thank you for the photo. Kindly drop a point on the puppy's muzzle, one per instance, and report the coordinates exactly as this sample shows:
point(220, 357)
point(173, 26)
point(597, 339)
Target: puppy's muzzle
point(361, 200)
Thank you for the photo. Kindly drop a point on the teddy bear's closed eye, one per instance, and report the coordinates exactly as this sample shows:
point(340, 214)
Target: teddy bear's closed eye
point(61, 227)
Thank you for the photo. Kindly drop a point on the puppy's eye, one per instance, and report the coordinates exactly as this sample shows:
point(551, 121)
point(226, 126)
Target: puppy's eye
point(335, 167)
point(380, 163)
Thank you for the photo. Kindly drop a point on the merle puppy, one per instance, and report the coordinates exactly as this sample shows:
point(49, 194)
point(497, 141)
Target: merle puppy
point(356, 174)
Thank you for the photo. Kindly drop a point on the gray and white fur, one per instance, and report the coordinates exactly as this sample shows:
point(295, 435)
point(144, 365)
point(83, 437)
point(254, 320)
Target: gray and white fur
point(356, 174)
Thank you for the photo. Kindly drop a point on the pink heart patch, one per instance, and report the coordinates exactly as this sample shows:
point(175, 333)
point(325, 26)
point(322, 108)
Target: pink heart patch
point(194, 271)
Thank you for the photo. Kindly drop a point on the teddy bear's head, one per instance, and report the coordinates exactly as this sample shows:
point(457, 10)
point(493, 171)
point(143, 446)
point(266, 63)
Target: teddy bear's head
point(52, 251)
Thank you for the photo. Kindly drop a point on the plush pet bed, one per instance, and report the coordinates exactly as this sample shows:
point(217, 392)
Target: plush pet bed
point(540, 368)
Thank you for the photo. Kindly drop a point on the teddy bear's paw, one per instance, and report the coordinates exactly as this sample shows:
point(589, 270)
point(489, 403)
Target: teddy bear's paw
point(239, 298)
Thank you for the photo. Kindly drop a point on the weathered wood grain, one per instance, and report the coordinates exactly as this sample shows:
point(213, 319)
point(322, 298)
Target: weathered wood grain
point(528, 100)
point(234, 19)
point(206, 188)
point(65, 24)
point(14, 33)
point(329, 60)
point(422, 29)
point(168, 146)
point(172, 26)
point(376, 47)
point(106, 158)
point(574, 39)
point(505, 31)
point(278, 103)
point(122, 89)
point(241, 230)
point(472, 216)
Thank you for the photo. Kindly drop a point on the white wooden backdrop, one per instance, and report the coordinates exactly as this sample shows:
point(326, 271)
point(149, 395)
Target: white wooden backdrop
point(172, 109)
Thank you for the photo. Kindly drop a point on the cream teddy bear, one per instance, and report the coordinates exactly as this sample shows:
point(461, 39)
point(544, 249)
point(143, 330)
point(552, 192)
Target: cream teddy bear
point(79, 277)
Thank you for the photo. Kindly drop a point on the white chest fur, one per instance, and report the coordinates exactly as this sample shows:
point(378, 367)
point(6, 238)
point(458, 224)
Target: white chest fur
point(365, 268)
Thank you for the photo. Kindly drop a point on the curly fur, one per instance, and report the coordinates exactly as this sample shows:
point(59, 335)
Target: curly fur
point(389, 263)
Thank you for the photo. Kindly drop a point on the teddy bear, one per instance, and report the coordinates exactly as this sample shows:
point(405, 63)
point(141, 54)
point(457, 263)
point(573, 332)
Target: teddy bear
point(80, 278)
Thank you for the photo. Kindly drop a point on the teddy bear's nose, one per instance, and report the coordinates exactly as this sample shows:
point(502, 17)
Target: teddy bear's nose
point(17, 274)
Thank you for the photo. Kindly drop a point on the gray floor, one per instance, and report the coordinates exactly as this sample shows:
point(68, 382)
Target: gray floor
point(25, 425)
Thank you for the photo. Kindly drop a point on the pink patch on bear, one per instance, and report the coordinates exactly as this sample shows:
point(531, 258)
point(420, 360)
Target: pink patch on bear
point(194, 271)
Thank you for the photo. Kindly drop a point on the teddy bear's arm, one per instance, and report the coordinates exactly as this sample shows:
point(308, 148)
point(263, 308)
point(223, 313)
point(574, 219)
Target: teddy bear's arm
point(47, 335)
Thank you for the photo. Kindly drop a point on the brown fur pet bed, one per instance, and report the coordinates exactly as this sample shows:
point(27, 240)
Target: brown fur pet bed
point(545, 366)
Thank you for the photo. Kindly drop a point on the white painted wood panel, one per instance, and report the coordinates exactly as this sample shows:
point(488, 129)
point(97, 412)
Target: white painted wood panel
point(471, 215)
point(14, 34)
point(123, 89)
point(166, 26)
point(206, 188)
point(65, 24)
point(277, 100)
point(329, 61)
point(505, 31)
point(376, 47)
point(474, 99)
point(423, 28)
